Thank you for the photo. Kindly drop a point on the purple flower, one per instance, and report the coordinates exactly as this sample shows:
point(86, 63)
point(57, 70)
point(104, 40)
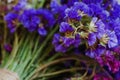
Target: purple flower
point(42, 31)
point(72, 41)
point(100, 29)
point(47, 21)
point(39, 20)
point(58, 43)
point(11, 19)
point(65, 27)
point(109, 60)
point(72, 13)
point(112, 39)
point(114, 66)
point(91, 39)
point(109, 39)
point(8, 47)
point(96, 31)
point(68, 41)
point(46, 17)
point(91, 21)
point(77, 40)
point(92, 26)
point(115, 24)
point(90, 53)
point(116, 49)
point(58, 10)
point(11, 16)
point(98, 51)
point(117, 75)
point(61, 48)
point(82, 7)
point(97, 26)
point(99, 11)
point(112, 63)
point(30, 20)
point(115, 12)
point(62, 44)
point(101, 77)
point(20, 5)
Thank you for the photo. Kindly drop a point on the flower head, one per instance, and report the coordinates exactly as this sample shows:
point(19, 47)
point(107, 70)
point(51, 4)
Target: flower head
point(108, 59)
point(62, 44)
point(20, 5)
point(72, 13)
point(11, 19)
point(58, 10)
point(101, 77)
point(29, 19)
point(8, 47)
point(65, 28)
point(37, 20)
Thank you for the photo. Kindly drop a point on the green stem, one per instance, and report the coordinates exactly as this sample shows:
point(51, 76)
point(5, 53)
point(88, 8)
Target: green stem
point(93, 72)
point(55, 56)
point(61, 71)
point(13, 53)
point(42, 3)
point(46, 53)
point(34, 3)
point(49, 60)
point(35, 48)
point(4, 40)
point(84, 75)
point(20, 56)
point(24, 55)
point(39, 51)
point(52, 63)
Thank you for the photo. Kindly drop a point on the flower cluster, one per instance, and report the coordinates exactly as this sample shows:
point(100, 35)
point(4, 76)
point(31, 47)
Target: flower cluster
point(109, 60)
point(101, 77)
point(40, 20)
point(96, 26)
point(11, 20)
point(59, 9)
